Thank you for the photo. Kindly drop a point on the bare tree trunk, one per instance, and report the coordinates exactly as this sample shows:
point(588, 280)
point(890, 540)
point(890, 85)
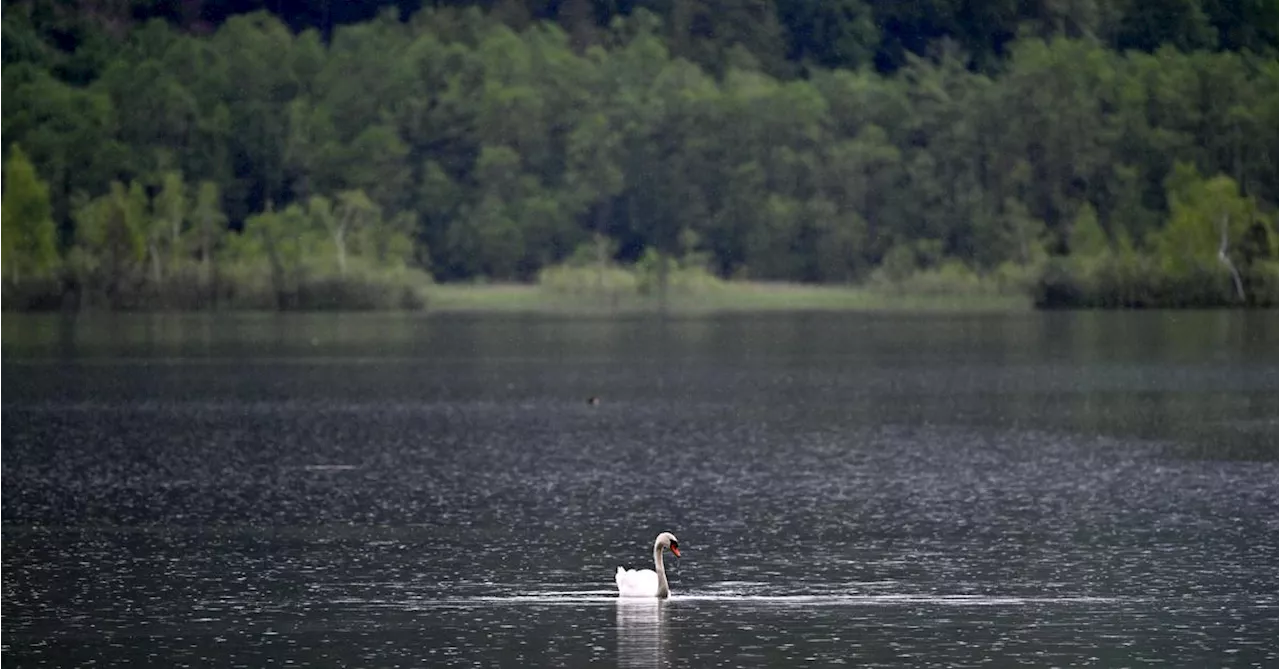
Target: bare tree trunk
point(1023, 251)
point(175, 247)
point(156, 273)
point(215, 282)
point(601, 244)
point(1226, 260)
point(204, 254)
point(206, 290)
point(339, 230)
point(277, 274)
point(339, 240)
point(664, 277)
point(600, 262)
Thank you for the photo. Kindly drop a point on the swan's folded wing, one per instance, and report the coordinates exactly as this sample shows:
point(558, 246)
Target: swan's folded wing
point(637, 582)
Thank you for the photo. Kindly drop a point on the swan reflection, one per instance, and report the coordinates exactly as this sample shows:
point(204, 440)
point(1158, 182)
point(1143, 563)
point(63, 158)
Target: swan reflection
point(641, 632)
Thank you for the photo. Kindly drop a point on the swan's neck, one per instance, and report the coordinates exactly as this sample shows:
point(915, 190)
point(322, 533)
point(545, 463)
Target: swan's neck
point(663, 590)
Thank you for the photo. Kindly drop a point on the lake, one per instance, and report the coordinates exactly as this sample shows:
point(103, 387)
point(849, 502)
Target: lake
point(1046, 489)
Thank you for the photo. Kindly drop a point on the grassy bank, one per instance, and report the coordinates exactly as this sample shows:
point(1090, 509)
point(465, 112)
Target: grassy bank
point(416, 293)
point(578, 287)
point(728, 297)
point(231, 288)
point(571, 288)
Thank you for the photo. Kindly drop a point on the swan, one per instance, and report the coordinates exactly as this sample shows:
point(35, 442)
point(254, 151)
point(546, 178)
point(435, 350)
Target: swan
point(649, 582)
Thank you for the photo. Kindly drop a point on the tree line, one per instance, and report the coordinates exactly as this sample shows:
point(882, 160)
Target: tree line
point(268, 165)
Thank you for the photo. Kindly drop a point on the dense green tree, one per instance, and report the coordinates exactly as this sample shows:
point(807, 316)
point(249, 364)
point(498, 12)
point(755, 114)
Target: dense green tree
point(23, 43)
point(830, 34)
point(1088, 239)
point(353, 214)
point(288, 240)
point(208, 228)
point(1183, 24)
point(261, 81)
point(111, 238)
point(29, 238)
point(66, 131)
point(790, 140)
point(168, 225)
point(1208, 224)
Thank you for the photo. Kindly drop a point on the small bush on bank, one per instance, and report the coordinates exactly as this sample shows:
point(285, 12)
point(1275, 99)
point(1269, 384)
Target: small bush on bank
point(952, 278)
point(587, 280)
point(579, 278)
point(685, 276)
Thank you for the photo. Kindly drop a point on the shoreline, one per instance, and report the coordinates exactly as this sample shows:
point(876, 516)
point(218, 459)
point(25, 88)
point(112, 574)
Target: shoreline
point(732, 297)
point(727, 297)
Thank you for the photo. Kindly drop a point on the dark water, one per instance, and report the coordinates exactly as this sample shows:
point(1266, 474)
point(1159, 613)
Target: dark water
point(1039, 489)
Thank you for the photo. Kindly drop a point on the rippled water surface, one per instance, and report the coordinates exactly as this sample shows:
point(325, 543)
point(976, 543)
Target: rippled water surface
point(1067, 489)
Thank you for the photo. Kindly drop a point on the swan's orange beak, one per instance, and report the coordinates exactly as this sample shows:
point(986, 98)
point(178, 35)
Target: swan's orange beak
point(676, 551)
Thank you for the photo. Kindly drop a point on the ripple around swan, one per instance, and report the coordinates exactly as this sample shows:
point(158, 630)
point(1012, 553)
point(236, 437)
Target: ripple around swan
point(603, 597)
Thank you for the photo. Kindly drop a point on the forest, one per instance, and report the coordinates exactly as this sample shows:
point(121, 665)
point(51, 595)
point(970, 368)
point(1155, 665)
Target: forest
point(322, 154)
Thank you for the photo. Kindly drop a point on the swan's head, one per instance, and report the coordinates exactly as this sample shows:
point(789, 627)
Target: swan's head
point(667, 540)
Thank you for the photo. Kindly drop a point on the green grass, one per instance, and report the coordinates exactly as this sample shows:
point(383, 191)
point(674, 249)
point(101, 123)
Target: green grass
point(726, 297)
point(570, 294)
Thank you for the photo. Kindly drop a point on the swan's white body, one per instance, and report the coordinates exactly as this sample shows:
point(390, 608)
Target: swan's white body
point(638, 583)
point(648, 582)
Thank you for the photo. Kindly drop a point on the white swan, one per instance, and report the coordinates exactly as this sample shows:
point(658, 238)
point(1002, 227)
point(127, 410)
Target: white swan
point(648, 582)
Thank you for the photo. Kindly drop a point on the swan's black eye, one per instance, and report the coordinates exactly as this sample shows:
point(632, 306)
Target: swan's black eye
point(675, 544)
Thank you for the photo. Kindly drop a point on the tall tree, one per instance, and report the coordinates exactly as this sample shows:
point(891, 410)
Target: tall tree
point(209, 227)
point(30, 239)
point(111, 235)
point(169, 209)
